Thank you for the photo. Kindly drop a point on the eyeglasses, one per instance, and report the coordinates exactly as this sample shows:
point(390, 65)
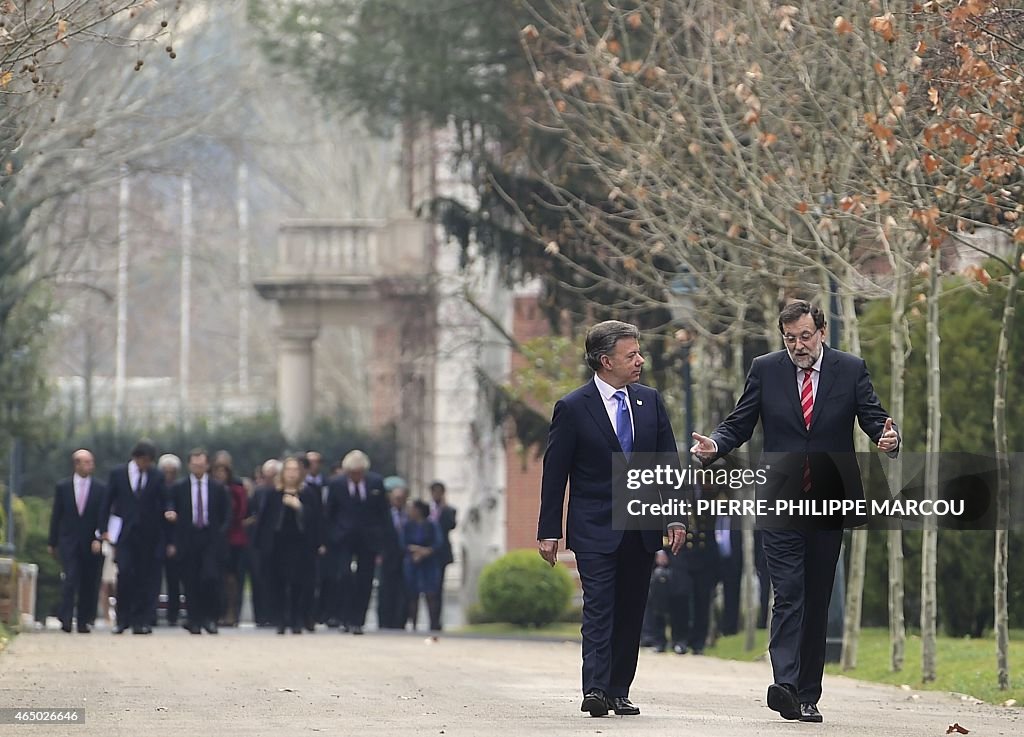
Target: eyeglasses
point(804, 337)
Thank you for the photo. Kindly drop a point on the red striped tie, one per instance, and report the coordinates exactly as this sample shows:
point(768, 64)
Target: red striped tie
point(807, 404)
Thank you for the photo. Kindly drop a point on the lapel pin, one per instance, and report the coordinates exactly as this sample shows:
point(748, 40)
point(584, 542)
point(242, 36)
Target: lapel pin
point(639, 403)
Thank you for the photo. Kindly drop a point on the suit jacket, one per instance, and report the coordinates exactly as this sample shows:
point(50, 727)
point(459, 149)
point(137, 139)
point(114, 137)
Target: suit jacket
point(270, 519)
point(581, 441)
point(142, 514)
point(72, 533)
point(845, 394)
point(445, 525)
point(351, 521)
point(218, 516)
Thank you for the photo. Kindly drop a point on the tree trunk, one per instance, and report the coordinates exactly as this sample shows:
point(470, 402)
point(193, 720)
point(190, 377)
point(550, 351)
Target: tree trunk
point(929, 537)
point(1003, 476)
point(859, 538)
point(894, 541)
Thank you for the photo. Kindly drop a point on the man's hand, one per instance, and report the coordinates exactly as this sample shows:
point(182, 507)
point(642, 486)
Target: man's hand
point(676, 538)
point(51, 550)
point(889, 439)
point(171, 551)
point(322, 550)
point(548, 550)
point(171, 516)
point(703, 447)
point(96, 547)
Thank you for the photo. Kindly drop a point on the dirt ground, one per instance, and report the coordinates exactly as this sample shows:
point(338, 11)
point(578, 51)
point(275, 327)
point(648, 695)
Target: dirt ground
point(254, 682)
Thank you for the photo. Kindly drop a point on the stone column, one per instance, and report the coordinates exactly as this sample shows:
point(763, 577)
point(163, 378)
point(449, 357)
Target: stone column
point(295, 379)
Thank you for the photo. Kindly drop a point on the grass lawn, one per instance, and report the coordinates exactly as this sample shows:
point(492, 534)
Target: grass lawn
point(964, 665)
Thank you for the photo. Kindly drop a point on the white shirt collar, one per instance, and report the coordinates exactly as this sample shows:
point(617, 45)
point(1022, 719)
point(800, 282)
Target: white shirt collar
point(606, 390)
point(79, 480)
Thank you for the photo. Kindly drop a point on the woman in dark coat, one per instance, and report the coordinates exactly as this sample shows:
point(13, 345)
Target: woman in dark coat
point(422, 573)
point(286, 540)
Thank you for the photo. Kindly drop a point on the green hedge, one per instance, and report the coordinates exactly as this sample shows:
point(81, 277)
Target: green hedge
point(520, 588)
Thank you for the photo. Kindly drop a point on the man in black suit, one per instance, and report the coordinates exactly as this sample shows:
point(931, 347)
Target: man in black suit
point(807, 398)
point(137, 497)
point(202, 513)
point(357, 517)
point(318, 592)
point(74, 539)
point(392, 610)
point(443, 515)
point(611, 414)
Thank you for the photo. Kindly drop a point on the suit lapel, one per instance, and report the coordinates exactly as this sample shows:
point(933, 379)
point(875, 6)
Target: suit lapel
point(595, 406)
point(789, 370)
point(827, 377)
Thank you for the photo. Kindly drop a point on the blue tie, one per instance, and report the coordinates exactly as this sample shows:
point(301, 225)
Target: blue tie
point(624, 425)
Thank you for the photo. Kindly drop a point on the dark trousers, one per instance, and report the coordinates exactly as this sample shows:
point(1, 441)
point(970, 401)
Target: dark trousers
point(172, 577)
point(614, 597)
point(137, 566)
point(202, 576)
point(353, 588)
point(433, 609)
point(730, 573)
point(802, 566)
point(261, 606)
point(79, 589)
point(324, 597)
point(440, 595)
point(392, 610)
point(290, 576)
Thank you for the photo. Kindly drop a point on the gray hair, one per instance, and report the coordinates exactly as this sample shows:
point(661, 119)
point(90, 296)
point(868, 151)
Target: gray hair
point(355, 460)
point(601, 340)
point(169, 460)
point(270, 468)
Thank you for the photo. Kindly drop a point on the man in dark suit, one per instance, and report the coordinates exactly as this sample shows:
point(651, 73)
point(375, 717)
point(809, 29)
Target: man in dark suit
point(74, 539)
point(202, 513)
point(443, 515)
point(318, 592)
point(137, 497)
point(357, 517)
point(392, 610)
point(611, 414)
point(807, 398)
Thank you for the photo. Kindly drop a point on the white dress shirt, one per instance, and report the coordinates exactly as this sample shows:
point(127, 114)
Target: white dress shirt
point(611, 404)
point(202, 487)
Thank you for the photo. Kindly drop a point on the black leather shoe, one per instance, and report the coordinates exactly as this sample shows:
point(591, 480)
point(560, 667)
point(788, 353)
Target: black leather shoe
point(595, 702)
point(357, 630)
point(144, 630)
point(84, 629)
point(195, 629)
point(679, 649)
point(65, 626)
point(624, 707)
point(210, 627)
point(119, 628)
point(810, 713)
point(782, 698)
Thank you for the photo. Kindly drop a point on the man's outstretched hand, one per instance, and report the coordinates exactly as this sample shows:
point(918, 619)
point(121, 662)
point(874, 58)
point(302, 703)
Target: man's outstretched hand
point(703, 447)
point(889, 439)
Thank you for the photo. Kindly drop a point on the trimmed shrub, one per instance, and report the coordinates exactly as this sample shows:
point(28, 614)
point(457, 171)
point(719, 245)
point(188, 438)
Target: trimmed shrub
point(520, 588)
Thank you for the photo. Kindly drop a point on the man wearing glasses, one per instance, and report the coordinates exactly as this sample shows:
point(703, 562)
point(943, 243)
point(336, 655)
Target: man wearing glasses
point(807, 398)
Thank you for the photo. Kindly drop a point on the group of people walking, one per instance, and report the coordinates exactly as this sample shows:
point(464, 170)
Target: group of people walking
point(310, 544)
